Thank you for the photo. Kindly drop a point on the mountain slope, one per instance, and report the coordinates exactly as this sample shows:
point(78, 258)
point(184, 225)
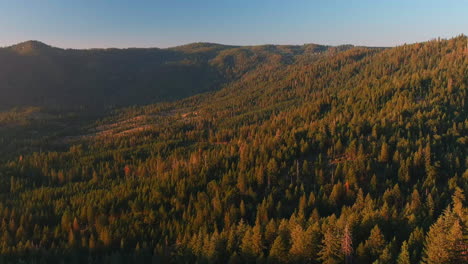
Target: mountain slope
point(286, 163)
point(33, 73)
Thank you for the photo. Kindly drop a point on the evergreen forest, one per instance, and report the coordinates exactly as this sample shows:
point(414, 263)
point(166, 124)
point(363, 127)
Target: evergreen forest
point(209, 153)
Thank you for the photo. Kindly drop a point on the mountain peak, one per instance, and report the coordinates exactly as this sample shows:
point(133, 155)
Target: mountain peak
point(30, 47)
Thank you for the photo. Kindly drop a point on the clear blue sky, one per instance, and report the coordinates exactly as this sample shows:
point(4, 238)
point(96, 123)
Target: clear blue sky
point(157, 23)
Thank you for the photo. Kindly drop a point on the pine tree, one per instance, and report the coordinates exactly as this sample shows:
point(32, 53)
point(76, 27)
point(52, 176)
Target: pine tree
point(457, 244)
point(384, 153)
point(386, 256)
point(376, 242)
point(257, 239)
point(279, 251)
point(252, 244)
point(442, 239)
point(404, 257)
point(331, 248)
point(301, 245)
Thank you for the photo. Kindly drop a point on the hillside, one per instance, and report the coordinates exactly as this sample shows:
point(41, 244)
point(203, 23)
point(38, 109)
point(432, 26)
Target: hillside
point(298, 154)
point(33, 73)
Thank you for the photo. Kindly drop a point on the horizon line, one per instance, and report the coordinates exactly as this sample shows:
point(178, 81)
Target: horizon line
point(223, 44)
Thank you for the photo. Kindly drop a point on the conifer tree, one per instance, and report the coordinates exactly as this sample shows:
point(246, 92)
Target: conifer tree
point(301, 245)
point(376, 242)
point(384, 153)
point(331, 248)
point(279, 251)
point(404, 257)
point(442, 238)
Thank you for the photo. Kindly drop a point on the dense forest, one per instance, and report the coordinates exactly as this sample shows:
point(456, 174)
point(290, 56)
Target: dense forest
point(274, 154)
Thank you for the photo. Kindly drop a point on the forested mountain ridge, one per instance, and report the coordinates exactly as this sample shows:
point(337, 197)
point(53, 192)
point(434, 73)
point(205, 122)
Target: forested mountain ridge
point(33, 73)
point(355, 155)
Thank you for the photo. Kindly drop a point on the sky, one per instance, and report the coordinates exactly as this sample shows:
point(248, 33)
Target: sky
point(167, 23)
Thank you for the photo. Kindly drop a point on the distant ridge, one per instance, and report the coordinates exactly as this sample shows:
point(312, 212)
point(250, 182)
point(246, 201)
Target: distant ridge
point(33, 73)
